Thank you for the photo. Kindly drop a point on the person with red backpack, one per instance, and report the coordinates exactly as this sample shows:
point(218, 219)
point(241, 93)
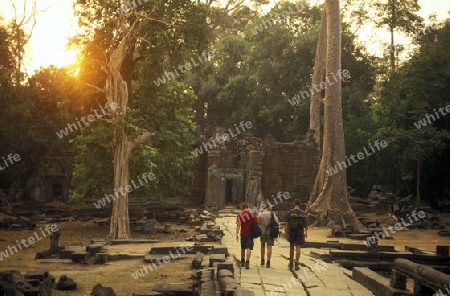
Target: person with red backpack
point(244, 227)
point(296, 231)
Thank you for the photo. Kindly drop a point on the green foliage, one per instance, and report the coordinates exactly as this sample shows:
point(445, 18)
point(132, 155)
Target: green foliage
point(417, 90)
point(259, 72)
point(170, 35)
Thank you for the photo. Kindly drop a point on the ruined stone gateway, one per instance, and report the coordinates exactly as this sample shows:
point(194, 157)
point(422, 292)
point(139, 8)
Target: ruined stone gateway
point(238, 170)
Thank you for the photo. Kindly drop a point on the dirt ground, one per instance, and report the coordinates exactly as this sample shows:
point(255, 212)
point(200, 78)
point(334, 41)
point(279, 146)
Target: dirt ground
point(117, 274)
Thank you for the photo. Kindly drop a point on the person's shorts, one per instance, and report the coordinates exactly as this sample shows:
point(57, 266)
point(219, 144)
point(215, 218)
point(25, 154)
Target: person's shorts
point(296, 237)
point(266, 239)
point(247, 241)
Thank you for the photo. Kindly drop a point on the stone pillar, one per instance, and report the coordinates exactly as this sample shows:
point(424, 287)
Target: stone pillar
point(54, 237)
point(398, 280)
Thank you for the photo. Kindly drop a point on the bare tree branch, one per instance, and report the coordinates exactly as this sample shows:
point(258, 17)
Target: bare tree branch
point(143, 137)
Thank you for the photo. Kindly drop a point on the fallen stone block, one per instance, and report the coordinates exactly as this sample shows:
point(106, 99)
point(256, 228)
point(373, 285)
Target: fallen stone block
point(197, 261)
point(148, 293)
point(150, 226)
point(220, 249)
point(203, 238)
point(66, 284)
point(175, 289)
point(204, 230)
point(228, 285)
point(99, 290)
point(341, 254)
point(56, 260)
point(38, 275)
point(375, 265)
point(243, 292)
point(98, 241)
point(133, 241)
point(35, 283)
point(43, 254)
point(94, 249)
point(216, 258)
point(195, 222)
point(228, 265)
point(66, 254)
point(81, 257)
point(377, 284)
point(161, 258)
point(208, 288)
point(182, 249)
point(44, 290)
point(101, 258)
point(443, 251)
point(224, 273)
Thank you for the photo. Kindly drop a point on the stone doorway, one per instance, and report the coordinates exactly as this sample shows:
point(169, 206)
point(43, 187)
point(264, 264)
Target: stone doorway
point(224, 187)
point(230, 192)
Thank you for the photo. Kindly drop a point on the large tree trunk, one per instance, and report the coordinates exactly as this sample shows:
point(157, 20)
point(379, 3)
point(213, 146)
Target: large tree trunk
point(328, 198)
point(319, 71)
point(120, 223)
point(116, 90)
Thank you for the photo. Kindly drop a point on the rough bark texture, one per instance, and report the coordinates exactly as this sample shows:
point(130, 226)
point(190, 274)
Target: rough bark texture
point(328, 199)
point(116, 89)
point(319, 71)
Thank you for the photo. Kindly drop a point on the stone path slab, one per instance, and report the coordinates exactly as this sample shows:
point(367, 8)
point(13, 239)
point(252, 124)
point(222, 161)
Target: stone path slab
point(314, 278)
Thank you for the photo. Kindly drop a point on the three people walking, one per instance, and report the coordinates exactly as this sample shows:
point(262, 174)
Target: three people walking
point(295, 232)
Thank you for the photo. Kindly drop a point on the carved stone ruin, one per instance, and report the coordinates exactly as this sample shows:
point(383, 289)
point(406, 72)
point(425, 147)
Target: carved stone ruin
point(426, 279)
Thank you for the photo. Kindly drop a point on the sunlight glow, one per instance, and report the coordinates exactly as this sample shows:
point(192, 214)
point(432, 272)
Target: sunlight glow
point(55, 23)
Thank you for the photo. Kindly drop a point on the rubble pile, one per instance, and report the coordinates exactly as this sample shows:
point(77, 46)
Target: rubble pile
point(40, 283)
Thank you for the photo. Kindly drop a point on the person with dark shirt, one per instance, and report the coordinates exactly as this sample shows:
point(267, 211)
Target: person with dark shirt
point(295, 236)
point(243, 222)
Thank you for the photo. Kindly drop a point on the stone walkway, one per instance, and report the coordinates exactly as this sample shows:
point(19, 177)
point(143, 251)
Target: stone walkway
point(315, 277)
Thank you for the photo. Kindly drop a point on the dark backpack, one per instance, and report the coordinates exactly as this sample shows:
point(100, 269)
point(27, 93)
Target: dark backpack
point(297, 219)
point(256, 230)
point(274, 228)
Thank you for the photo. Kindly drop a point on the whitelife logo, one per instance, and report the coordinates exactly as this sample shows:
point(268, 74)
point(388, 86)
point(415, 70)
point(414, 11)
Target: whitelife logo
point(187, 67)
point(208, 145)
point(263, 205)
point(430, 117)
point(110, 197)
point(165, 259)
point(296, 280)
point(343, 165)
point(394, 228)
point(90, 118)
point(317, 88)
point(267, 23)
point(9, 160)
point(11, 250)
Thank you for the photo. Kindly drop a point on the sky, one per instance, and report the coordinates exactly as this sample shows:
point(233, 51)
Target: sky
point(56, 23)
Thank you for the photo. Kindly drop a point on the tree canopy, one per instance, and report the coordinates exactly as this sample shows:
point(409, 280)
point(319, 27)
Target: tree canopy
point(250, 65)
